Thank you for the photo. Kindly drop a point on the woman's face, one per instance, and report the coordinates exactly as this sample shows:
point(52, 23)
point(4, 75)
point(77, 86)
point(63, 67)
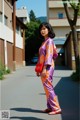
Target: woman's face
point(44, 32)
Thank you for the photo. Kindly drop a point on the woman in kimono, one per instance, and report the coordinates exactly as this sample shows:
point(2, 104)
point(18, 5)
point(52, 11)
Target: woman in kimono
point(46, 56)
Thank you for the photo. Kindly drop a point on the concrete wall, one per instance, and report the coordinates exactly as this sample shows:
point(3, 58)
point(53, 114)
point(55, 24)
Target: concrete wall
point(61, 31)
point(53, 12)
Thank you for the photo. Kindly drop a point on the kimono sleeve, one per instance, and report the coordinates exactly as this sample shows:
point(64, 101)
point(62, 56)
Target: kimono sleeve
point(49, 53)
point(55, 54)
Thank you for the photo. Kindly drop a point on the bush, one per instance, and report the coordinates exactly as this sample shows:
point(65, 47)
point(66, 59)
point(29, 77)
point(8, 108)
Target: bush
point(7, 71)
point(1, 75)
point(3, 71)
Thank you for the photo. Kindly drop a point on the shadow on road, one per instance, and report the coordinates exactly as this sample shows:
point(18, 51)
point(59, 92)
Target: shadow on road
point(25, 118)
point(68, 96)
point(62, 68)
point(26, 110)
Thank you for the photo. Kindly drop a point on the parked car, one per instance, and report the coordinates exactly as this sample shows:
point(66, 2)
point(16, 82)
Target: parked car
point(34, 60)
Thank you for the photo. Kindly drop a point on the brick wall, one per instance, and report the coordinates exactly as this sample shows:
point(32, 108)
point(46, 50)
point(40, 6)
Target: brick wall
point(10, 55)
point(2, 57)
point(19, 57)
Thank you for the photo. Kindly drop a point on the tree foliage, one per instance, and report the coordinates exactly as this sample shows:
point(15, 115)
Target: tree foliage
point(32, 42)
point(75, 5)
point(32, 16)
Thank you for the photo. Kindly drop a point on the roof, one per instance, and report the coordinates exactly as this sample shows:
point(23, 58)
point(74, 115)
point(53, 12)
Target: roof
point(59, 41)
point(22, 12)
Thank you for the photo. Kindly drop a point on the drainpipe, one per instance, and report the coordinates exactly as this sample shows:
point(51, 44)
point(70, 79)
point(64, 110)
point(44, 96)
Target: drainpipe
point(5, 42)
point(14, 35)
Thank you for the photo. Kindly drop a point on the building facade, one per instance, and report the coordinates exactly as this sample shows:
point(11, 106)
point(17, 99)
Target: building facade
point(22, 14)
point(69, 50)
point(12, 36)
point(56, 16)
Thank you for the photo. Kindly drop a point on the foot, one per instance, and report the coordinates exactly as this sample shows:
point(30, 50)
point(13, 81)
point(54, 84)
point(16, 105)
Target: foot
point(55, 112)
point(47, 110)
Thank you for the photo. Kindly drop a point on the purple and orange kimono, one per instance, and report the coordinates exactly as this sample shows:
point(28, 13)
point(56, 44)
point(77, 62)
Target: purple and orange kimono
point(46, 56)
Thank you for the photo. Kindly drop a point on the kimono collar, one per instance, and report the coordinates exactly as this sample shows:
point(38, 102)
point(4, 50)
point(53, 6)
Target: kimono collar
point(47, 38)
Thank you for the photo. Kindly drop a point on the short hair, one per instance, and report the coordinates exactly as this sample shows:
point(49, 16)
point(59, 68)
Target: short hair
point(51, 33)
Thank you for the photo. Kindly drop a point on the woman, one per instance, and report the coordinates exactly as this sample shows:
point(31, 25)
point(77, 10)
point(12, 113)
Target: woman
point(47, 54)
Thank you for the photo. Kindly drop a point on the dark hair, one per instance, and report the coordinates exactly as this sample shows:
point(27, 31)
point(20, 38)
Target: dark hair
point(51, 33)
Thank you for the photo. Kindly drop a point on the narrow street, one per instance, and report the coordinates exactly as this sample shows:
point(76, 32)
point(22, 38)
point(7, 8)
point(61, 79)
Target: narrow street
point(22, 93)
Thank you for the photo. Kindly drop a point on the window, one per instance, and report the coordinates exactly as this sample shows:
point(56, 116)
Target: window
point(0, 17)
point(21, 18)
point(17, 29)
point(25, 20)
point(60, 15)
point(5, 20)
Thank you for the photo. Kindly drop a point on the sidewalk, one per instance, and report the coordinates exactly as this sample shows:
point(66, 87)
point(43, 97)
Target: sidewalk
point(22, 93)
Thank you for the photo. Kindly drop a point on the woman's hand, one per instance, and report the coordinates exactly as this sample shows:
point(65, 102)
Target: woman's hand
point(43, 74)
point(38, 74)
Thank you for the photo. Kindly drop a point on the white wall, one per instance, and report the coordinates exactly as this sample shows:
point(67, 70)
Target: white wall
point(19, 41)
point(7, 34)
point(61, 31)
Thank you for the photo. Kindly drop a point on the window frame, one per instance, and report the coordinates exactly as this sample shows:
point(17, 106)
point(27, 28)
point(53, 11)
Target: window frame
point(60, 15)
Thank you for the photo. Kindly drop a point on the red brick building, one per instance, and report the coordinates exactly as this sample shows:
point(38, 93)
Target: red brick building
point(12, 36)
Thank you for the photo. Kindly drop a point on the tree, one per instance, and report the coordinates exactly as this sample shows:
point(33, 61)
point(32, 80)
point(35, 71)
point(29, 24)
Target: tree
point(32, 42)
point(32, 16)
point(72, 22)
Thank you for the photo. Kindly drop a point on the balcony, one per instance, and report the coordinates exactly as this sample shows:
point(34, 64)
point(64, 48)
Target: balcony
point(7, 34)
point(56, 4)
point(61, 22)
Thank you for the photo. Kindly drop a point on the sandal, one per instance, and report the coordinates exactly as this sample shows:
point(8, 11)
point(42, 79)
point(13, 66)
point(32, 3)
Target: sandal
point(47, 110)
point(55, 112)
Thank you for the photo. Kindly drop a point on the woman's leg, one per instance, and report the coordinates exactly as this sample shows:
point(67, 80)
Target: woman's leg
point(52, 102)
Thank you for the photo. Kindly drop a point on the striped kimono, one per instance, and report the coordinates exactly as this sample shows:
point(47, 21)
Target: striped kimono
point(46, 56)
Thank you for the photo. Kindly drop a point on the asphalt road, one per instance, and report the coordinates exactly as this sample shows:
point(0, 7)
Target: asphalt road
point(23, 95)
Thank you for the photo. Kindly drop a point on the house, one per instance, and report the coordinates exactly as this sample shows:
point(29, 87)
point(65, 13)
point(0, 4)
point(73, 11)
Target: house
point(69, 50)
point(56, 16)
point(22, 14)
point(12, 36)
